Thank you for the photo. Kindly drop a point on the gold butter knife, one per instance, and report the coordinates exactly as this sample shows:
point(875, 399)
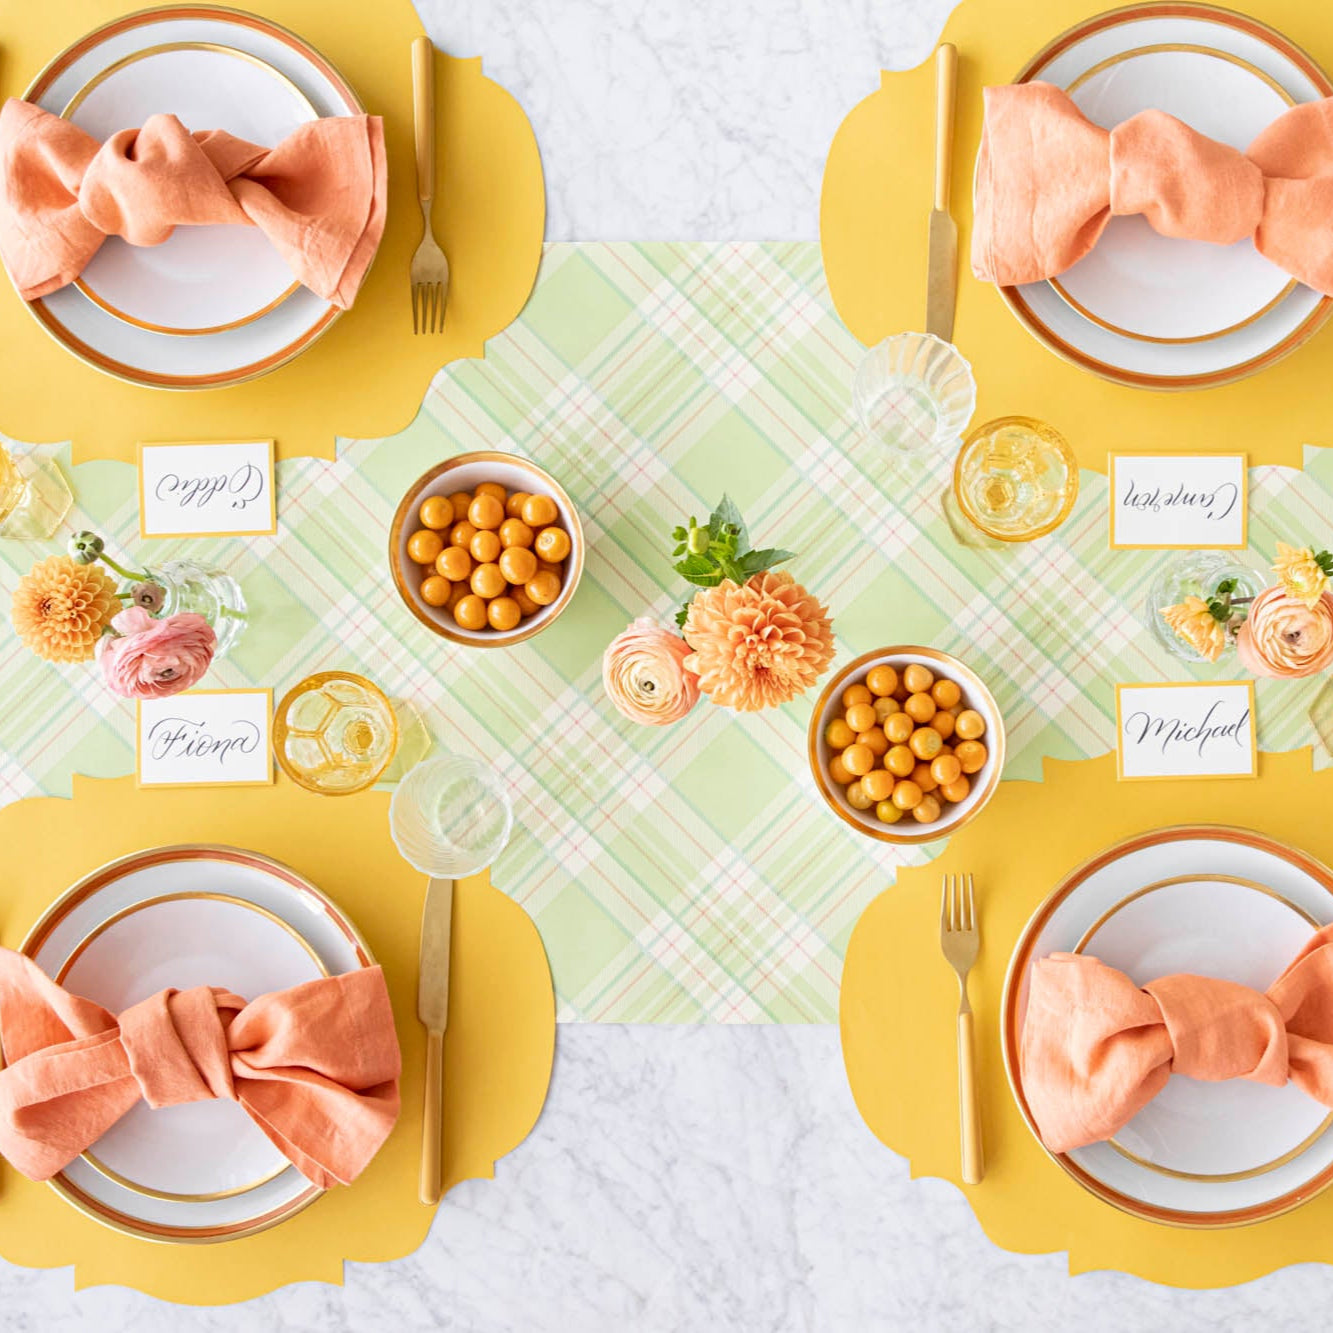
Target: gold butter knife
point(433, 1010)
point(942, 264)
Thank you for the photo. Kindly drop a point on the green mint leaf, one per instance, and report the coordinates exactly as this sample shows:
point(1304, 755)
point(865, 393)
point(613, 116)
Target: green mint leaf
point(1325, 562)
point(682, 616)
point(1226, 587)
point(1220, 611)
point(727, 515)
point(755, 562)
point(700, 570)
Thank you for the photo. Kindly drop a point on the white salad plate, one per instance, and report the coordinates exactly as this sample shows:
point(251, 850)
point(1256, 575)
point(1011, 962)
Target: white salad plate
point(182, 917)
point(1154, 311)
point(1214, 902)
point(211, 306)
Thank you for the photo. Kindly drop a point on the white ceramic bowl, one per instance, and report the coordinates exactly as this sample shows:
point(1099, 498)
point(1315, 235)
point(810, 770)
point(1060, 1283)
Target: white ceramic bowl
point(464, 473)
point(975, 695)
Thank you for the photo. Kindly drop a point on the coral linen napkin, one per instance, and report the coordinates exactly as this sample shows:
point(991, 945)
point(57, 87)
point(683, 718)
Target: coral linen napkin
point(1096, 1048)
point(1048, 181)
point(316, 1066)
point(319, 195)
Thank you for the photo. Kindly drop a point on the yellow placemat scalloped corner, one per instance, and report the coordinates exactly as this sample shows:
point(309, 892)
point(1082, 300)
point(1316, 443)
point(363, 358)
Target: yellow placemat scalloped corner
point(899, 1000)
point(498, 1048)
point(366, 377)
point(876, 198)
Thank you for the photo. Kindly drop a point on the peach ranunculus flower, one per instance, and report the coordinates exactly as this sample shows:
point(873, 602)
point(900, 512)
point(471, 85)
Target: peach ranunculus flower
point(1284, 638)
point(1300, 573)
point(61, 607)
point(644, 674)
point(759, 644)
point(153, 659)
point(1193, 623)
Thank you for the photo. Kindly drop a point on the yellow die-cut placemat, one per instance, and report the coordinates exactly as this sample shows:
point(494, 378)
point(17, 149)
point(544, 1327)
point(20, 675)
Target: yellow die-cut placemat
point(899, 1000)
point(366, 376)
point(877, 194)
point(498, 1048)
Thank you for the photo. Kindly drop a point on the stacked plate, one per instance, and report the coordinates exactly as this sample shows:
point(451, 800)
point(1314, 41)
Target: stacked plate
point(181, 917)
point(1143, 309)
point(1214, 902)
point(212, 305)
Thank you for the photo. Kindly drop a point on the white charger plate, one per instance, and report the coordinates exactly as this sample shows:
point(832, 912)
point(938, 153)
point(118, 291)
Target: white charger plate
point(186, 916)
point(201, 279)
point(1170, 360)
point(136, 351)
point(1217, 902)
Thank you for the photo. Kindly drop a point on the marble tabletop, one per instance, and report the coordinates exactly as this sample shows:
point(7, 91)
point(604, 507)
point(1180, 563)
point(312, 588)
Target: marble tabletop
point(693, 1178)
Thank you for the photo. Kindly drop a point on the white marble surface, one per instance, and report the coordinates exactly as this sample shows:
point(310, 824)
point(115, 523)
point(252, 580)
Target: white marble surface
point(693, 1178)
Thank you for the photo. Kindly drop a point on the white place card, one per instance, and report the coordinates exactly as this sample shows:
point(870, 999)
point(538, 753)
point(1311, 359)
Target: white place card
point(206, 738)
point(1178, 502)
point(1184, 730)
point(207, 490)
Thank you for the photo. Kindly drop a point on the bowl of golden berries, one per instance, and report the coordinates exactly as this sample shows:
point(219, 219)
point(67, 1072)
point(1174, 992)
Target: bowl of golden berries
point(486, 549)
point(906, 744)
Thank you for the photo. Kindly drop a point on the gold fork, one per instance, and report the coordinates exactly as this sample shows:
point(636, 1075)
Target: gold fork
point(960, 940)
point(429, 274)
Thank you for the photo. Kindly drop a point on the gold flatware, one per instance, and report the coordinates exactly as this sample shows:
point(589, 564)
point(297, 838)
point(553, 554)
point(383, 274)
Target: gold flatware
point(942, 262)
point(960, 940)
point(429, 274)
point(433, 1010)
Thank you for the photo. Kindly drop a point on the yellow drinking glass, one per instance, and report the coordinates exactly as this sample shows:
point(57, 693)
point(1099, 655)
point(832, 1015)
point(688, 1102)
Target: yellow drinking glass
point(34, 497)
point(1015, 479)
point(336, 733)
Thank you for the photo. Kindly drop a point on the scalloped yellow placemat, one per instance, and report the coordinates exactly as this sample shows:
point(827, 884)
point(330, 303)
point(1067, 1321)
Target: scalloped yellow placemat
point(498, 1048)
point(367, 375)
point(900, 998)
point(876, 198)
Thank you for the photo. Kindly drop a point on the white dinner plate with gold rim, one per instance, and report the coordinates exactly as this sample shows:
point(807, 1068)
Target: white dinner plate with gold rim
point(246, 346)
point(1216, 902)
point(1208, 339)
point(186, 916)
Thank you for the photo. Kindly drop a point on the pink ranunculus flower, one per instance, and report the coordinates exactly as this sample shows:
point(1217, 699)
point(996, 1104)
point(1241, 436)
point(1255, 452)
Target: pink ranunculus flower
point(152, 659)
point(1285, 639)
point(644, 674)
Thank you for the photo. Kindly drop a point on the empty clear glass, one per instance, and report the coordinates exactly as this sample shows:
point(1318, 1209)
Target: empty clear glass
point(34, 497)
point(451, 817)
point(914, 392)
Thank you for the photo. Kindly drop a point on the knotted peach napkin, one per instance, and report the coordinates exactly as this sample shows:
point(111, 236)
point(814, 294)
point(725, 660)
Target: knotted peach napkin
point(316, 1067)
point(319, 195)
point(1096, 1048)
point(1048, 180)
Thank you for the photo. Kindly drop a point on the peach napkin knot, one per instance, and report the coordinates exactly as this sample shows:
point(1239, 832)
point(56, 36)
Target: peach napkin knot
point(315, 1066)
point(319, 195)
point(1096, 1048)
point(1048, 180)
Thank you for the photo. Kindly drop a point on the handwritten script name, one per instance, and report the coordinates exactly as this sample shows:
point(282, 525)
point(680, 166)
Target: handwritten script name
point(1173, 733)
point(239, 489)
point(1215, 504)
point(188, 738)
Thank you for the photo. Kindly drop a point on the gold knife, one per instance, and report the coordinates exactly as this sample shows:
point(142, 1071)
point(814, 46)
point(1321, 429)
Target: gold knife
point(433, 1010)
point(942, 266)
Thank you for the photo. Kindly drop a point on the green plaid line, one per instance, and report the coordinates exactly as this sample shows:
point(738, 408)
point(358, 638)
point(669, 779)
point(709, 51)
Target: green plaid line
point(691, 873)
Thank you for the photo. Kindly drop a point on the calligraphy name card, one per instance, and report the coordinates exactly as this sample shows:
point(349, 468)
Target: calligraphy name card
point(1186, 731)
point(1178, 501)
point(207, 490)
point(206, 738)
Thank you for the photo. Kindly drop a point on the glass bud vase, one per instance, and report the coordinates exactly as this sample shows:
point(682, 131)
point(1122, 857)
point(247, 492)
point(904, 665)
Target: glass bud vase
point(204, 590)
point(1197, 574)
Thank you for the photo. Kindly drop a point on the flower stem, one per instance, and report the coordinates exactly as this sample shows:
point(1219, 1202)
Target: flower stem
point(121, 570)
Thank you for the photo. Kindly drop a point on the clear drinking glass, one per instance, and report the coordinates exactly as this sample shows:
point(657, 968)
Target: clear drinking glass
point(1195, 574)
point(34, 497)
point(451, 817)
point(1015, 479)
point(335, 733)
point(913, 392)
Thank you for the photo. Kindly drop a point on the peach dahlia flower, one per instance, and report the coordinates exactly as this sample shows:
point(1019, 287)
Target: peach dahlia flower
point(760, 644)
point(61, 607)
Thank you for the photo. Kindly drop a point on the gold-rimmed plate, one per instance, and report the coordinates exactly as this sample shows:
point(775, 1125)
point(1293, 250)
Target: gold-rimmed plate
point(232, 346)
point(180, 917)
point(1211, 901)
point(1221, 315)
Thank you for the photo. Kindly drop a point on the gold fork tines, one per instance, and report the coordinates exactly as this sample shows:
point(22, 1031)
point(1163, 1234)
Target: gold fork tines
point(429, 273)
point(960, 941)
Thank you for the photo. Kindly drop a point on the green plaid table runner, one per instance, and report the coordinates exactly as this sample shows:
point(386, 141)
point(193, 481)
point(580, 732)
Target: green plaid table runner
point(691, 873)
